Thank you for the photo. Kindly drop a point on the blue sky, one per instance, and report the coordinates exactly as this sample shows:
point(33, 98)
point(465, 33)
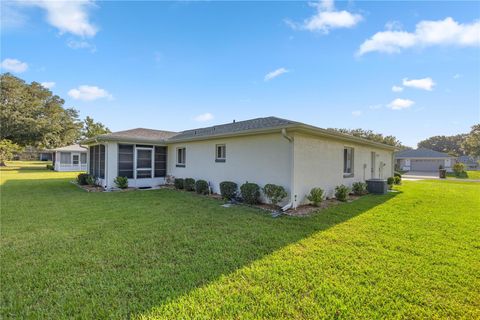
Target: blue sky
point(180, 65)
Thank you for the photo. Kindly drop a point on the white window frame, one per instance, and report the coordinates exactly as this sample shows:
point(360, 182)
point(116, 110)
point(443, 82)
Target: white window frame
point(224, 158)
point(177, 160)
point(152, 160)
point(347, 174)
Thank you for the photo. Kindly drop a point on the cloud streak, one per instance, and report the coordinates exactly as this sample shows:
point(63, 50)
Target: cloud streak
point(423, 84)
point(204, 117)
point(276, 73)
point(89, 93)
point(14, 65)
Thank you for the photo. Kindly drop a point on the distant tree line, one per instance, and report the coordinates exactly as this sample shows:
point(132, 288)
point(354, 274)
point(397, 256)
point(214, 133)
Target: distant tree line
point(457, 145)
point(31, 115)
point(373, 136)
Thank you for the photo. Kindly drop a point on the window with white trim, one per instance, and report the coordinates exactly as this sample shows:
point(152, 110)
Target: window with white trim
point(181, 157)
point(220, 153)
point(348, 162)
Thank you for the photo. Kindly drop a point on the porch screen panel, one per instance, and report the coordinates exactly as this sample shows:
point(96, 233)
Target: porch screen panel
point(65, 157)
point(160, 162)
point(91, 161)
point(83, 158)
point(125, 160)
point(144, 163)
point(101, 169)
point(97, 161)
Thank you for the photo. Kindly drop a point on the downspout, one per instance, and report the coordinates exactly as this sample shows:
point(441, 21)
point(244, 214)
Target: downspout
point(290, 139)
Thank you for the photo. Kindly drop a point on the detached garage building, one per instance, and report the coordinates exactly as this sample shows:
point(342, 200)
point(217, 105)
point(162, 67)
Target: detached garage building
point(423, 160)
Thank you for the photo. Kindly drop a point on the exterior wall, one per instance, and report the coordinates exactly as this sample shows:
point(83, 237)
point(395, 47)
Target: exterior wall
point(318, 162)
point(447, 163)
point(260, 159)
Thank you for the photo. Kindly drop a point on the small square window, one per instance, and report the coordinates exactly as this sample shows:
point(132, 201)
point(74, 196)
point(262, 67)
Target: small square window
point(181, 157)
point(220, 153)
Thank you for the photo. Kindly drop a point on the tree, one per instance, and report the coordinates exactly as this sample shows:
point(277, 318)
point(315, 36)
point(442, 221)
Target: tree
point(471, 144)
point(32, 116)
point(370, 135)
point(447, 144)
point(7, 150)
point(92, 129)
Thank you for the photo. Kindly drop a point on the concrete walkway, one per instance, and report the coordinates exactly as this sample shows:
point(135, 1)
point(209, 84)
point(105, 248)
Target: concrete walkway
point(418, 175)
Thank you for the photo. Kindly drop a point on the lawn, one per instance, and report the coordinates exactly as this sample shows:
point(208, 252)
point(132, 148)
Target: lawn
point(164, 254)
point(474, 175)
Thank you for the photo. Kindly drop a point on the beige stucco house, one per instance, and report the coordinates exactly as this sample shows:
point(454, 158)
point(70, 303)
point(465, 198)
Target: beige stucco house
point(294, 155)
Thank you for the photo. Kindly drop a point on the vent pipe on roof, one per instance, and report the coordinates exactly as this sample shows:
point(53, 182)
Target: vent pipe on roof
point(233, 120)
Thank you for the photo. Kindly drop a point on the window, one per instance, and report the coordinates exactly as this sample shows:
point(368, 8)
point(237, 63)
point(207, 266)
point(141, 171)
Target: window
point(83, 158)
point(125, 160)
point(348, 162)
point(181, 157)
point(160, 162)
point(144, 163)
point(75, 159)
point(65, 158)
point(97, 161)
point(220, 153)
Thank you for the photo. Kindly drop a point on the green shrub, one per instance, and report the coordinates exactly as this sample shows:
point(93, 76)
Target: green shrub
point(121, 182)
point(250, 192)
point(179, 183)
point(397, 180)
point(189, 184)
point(341, 192)
point(359, 188)
point(50, 167)
point(390, 182)
point(274, 193)
point(91, 180)
point(82, 179)
point(228, 190)
point(315, 196)
point(201, 186)
point(397, 174)
point(458, 168)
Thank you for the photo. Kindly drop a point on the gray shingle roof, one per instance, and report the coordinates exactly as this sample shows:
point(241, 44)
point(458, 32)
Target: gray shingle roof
point(421, 153)
point(138, 134)
point(234, 127)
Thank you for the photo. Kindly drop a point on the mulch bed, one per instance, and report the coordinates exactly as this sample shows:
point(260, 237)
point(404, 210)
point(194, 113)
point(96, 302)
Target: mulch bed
point(89, 188)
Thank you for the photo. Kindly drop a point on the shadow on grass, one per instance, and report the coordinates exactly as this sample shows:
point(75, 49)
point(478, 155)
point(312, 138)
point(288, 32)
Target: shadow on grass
point(114, 255)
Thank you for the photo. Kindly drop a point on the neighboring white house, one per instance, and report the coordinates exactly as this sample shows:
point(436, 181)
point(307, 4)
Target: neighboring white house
point(70, 158)
point(294, 155)
point(423, 160)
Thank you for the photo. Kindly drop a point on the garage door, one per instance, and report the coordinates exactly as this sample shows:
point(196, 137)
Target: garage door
point(425, 165)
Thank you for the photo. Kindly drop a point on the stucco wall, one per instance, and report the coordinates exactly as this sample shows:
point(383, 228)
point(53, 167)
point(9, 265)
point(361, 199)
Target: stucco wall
point(260, 159)
point(318, 162)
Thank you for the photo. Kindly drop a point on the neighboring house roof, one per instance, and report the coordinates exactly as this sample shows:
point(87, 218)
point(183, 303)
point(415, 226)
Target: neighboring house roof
point(71, 148)
point(247, 127)
point(421, 153)
point(138, 134)
point(467, 160)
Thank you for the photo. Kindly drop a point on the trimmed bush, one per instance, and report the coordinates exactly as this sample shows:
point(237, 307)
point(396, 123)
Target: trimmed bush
point(50, 167)
point(315, 196)
point(91, 180)
point(179, 183)
point(82, 179)
point(189, 184)
point(359, 188)
point(201, 186)
point(228, 190)
point(274, 193)
point(250, 192)
point(121, 182)
point(390, 182)
point(458, 168)
point(397, 174)
point(397, 180)
point(341, 192)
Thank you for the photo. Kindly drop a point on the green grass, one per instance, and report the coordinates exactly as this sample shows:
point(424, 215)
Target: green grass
point(474, 175)
point(165, 254)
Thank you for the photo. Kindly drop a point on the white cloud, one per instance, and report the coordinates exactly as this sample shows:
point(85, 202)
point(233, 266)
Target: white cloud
point(271, 75)
point(327, 18)
point(204, 117)
point(89, 93)
point(399, 104)
point(427, 33)
point(14, 65)
point(68, 16)
point(48, 85)
point(424, 84)
point(457, 76)
point(357, 113)
point(81, 44)
point(397, 89)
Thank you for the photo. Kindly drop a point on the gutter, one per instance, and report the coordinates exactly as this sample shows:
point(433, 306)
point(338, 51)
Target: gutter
point(292, 175)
